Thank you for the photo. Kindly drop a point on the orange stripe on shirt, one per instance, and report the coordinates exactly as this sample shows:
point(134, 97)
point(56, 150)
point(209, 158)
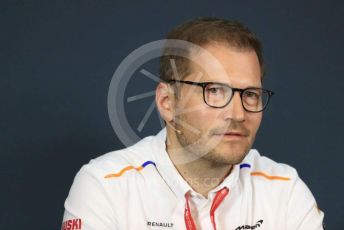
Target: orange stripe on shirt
point(123, 171)
point(268, 176)
point(129, 168)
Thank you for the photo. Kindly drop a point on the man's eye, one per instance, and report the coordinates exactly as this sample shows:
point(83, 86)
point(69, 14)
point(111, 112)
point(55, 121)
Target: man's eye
point(251, 94)
point(215, 90)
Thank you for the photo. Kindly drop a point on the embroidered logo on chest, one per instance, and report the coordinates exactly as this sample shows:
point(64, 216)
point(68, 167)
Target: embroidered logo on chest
point(159, 224)
point(256, 226)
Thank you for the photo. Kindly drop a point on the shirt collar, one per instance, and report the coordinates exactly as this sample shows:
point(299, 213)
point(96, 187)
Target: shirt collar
point(166, 167)
point(173, 178)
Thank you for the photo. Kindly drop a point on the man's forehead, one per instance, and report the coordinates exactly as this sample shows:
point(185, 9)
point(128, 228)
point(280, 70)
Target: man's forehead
point(226, 65)
point(231, 80)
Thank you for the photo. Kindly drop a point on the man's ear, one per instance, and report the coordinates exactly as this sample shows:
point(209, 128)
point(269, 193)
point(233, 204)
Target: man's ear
point(164, 99)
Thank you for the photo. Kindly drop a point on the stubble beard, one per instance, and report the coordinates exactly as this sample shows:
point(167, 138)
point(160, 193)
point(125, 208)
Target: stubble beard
point(204, 146)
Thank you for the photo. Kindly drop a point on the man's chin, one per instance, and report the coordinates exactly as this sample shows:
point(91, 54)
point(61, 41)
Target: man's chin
point(229, 156)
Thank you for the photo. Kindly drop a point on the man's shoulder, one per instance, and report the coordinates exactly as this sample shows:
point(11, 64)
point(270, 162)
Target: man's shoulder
point(119, 161)
point(264, 167)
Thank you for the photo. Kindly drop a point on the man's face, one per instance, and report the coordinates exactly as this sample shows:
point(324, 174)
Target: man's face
point(220, 135)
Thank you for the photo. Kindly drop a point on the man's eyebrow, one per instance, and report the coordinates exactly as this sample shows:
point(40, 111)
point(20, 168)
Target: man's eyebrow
point(259, 86)
point(223, 83)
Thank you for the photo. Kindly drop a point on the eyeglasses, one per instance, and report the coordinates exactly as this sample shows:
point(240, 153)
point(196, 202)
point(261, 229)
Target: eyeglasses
point(218, 95)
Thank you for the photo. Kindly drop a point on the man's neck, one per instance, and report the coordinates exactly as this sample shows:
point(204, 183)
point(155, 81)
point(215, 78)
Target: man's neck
point(201, 174)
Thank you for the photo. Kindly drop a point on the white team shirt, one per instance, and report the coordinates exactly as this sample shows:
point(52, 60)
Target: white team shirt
point(139, 188)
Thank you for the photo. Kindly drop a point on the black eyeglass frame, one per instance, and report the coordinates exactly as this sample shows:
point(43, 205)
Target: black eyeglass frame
point(241, 91)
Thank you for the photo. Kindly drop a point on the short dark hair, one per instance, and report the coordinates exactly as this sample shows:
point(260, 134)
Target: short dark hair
point(203, 31)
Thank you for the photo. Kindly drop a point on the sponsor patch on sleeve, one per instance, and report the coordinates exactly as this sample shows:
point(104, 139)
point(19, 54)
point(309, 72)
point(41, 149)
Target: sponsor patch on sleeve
point(73, 224)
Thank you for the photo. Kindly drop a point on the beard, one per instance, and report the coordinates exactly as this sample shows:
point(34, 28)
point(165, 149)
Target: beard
point(204, 145)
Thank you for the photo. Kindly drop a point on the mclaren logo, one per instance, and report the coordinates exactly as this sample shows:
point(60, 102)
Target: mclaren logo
point(256, 226)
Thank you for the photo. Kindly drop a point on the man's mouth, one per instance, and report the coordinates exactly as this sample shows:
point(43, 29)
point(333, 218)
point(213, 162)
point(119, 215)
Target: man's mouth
point(231, 135)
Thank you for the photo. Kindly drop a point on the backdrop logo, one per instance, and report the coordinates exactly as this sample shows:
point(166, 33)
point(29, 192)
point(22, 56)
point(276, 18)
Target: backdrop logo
point(134, 64)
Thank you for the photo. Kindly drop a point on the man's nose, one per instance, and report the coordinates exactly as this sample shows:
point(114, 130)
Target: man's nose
point(235, 110)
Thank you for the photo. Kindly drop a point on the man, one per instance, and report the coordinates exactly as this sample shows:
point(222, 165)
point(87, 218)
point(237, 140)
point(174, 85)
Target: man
point(200, 171)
